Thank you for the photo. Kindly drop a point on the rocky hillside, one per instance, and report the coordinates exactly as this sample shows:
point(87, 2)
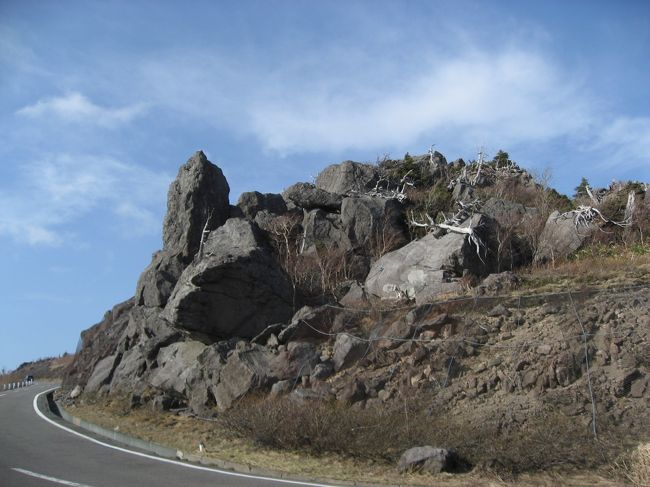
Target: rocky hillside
point(51, 368)
point(374, 285)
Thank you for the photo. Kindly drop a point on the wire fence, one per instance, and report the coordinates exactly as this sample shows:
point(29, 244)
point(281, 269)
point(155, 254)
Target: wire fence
point(583, 351)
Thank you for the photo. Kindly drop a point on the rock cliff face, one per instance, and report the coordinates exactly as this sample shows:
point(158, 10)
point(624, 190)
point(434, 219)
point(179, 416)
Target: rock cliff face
point(197, 200)
point(228, 306)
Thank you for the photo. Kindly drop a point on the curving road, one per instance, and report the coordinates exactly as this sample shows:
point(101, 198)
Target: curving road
point(36, 453)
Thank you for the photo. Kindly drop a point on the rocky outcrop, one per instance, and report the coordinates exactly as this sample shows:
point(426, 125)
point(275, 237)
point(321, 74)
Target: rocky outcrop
point(375, 225)
point(253, 202)
point(309, 197)
point(196, 200)
point(561, 237)
point(237, 289)
point(198, 195)
point(96, 344)
point(429, 267)
point(348, 177)
point(324, 232)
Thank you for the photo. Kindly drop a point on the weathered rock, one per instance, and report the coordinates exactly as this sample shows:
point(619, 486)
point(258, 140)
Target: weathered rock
point(427, 459)
point(560, 237)
point(281, 388)
point(321, 371)
point(237, 289)
point(463, 192)
point(309, 197)
point(504, 212)
point(199, 193)
point(297, 360)
point(353, 391)
point(347, 350)
point(309, 322)
point(102, 373)
point(157, 281)
point(373, 225)
point(198, 197)
point(348, 177)
point(76, 392)
point(425, 268)
point(355, 297)
point(174, 364)
point(97, 343)
point(496, 284)
point(245, 370)
point(251, 203)
point(323, 232)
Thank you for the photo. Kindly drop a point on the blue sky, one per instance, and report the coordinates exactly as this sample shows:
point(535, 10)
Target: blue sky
point(100, 102)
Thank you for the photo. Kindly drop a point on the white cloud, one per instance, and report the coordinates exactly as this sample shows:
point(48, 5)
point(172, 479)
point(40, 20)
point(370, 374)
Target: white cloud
point(77, 108)
point(513, 95)
point(627, 140)
point(53, 193)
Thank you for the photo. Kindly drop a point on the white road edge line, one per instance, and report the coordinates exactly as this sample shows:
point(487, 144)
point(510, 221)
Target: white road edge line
point(167, 460)
point(50, 479)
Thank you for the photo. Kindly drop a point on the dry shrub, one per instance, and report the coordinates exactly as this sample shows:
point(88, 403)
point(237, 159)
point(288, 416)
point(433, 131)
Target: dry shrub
point(635, 466)
point(547, 440)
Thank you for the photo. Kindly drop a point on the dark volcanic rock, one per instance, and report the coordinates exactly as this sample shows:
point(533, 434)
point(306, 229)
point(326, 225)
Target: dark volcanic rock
point(309, 197)
point(199, 195)
point(376, 225)
point(324, 231)
point(253, 202)
point(348, 177)
point(246, 369)
point(157, 281)
point(200, 192)
point(97, 343)
point(237, 289)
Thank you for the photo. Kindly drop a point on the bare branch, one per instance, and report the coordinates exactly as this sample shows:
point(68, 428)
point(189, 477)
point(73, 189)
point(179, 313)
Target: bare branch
point(204, 234)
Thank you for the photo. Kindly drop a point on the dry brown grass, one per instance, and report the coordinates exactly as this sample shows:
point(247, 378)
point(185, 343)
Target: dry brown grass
point(610, 266)
point(635, 466)
point(330, 441)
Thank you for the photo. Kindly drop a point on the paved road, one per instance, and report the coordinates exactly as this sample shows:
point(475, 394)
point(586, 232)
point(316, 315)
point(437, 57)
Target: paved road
point(35, 453)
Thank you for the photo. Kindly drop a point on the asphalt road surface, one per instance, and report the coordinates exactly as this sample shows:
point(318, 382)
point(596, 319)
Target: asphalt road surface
point(36, 453)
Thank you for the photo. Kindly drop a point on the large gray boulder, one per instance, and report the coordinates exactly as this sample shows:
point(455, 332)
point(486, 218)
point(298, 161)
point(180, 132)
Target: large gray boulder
point(427, 459)
point(373, 225)
point(348, 177)
point(198, 196)
point(430, 266)
point(175, 362)
point(506, 213)
point(251, 203)
point(236, 289)
point(309, 197)
point(347, 350)
point(561, 237)
point(157, 281)
point(324, 232)
point(246, 369)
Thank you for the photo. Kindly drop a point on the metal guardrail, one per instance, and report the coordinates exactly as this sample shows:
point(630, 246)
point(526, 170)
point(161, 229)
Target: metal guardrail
point(17, 385)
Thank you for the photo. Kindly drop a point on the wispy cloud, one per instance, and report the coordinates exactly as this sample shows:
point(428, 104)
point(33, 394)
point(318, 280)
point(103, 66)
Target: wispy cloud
point(627, 140)
point(514, 95)
point(53, 193)
point(76, 108)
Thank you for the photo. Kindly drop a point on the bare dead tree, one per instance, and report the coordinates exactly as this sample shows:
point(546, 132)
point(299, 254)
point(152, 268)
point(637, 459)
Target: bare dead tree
point(453, 224)
point(584, 215)
point(204, 234)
